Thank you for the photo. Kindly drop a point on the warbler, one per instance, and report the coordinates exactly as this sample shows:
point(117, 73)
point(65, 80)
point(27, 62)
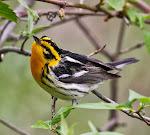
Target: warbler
point(67, 75)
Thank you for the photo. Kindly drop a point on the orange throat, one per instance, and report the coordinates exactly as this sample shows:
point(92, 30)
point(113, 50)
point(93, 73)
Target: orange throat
point(38, 61)
point(36, 68)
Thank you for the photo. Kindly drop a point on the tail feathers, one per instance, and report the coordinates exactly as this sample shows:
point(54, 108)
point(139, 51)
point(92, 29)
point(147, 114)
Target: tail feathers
point(122, 63)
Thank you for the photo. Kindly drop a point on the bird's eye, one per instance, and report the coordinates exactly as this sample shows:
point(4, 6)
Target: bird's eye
point(47, 49)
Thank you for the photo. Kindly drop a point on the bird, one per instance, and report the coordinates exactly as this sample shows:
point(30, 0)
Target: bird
point(67, 75)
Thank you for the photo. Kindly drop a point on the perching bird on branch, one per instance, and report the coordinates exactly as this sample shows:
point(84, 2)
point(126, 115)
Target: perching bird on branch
point(67, 75)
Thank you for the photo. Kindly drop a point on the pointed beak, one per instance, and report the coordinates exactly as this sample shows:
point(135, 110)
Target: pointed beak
point(37, 39)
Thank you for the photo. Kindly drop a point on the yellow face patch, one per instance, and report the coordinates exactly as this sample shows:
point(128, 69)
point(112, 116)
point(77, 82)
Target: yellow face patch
point(57, 58)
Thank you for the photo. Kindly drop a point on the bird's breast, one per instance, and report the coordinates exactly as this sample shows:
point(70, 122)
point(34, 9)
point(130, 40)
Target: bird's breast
point(36, 68)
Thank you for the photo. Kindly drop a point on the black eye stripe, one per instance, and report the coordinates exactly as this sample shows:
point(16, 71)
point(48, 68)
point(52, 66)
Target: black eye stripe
point(53, 45)
point(47, 49)
point(50, 55)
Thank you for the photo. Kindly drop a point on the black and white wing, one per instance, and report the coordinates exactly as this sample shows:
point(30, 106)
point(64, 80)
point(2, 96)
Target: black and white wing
point(80, 69)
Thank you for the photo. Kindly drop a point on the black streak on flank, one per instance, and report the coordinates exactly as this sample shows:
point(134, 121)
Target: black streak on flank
point(45, 76)
point(46, 65)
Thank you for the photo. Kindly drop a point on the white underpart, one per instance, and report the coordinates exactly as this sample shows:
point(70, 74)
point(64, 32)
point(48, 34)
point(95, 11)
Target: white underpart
point(72, 60)
point(80, 73)
point(81, 87)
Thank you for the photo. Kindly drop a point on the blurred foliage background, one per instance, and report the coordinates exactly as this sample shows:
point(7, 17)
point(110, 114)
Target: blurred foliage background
point(23, 102)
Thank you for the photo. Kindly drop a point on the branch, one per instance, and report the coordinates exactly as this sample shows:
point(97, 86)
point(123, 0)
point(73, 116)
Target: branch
point(139, 45)
point(148, 123)
point(77, 5)
point(69, 4)
point(4, 27)
point(12, 127)
point(114, 83)
point(14, 49)
point(142, 5)
point(111, 125)
point(108, 100)
point(22, 46)
point(96, 51)
point(120, 38)
point(67, 12)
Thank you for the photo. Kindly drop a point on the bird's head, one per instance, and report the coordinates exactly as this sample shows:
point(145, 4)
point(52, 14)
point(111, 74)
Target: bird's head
point(45, 49)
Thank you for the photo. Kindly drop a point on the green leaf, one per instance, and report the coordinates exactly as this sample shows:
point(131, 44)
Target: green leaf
point(64, 130)
point(25, 32)
point(38, 29)
point(64, 126)
point(100, 105)
point(30, 22)
point(143, 112)
point(7, 13)
point(41, 124)
point(110, 8)
point(124, 105)
point(140, 18)
point(147, 39)
point(93, 128)
point(103, 133)
point(58, 129)
point(136, 18)
point(134, 0)
point(134, 96)
point(22, 32)
point(95, 132)
point(71, 129)
point(116, 4)
point(65, 111)
point(131, 13)
point(146, 17)
point(34, 14)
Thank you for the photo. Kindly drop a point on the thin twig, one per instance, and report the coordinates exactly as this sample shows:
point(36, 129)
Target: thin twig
point(67, 19)
point(12, 127)
point(96, 51)
point(22, 46)
point(67, 12)
point(4, 27)
point(148, 123)
point(111, 125)
point(92, 38)
point(53, 106)
point(104, 98)
point(114, 97)
point(139, 45)
point(69, 4)
point(81, 6)
point(14, 49)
